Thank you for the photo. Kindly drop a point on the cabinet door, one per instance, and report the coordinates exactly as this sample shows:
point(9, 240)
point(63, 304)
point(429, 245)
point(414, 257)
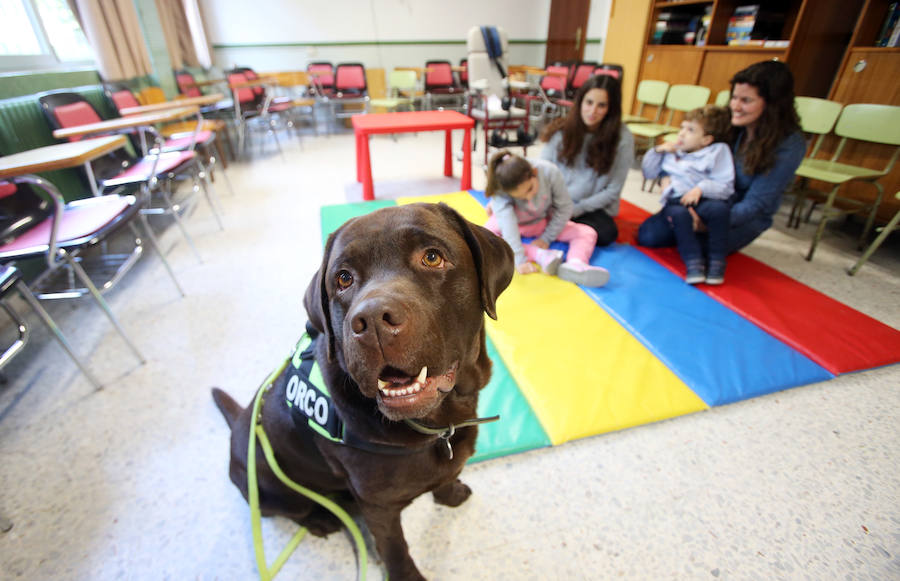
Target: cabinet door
point(677, 65)
point(673, 64)
point(721, 65)
point(869, 76)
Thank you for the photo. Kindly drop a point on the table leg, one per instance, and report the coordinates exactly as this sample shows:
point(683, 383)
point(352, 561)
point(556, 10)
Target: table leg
point(466, 181)
point(358, 157)
point(366, 168)
point(448, 155)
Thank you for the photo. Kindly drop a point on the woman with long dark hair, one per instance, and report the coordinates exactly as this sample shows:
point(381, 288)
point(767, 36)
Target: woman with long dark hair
point(594, 151)
point(767, 145)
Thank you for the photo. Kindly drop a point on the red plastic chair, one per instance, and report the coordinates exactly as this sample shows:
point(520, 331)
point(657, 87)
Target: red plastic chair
point(349, 88)
point(441, 87)
point(323, 73)
point(580, 73)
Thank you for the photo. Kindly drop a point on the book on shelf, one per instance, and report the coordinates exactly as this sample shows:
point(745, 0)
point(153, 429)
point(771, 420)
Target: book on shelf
point(749, 22)
point(892, 17)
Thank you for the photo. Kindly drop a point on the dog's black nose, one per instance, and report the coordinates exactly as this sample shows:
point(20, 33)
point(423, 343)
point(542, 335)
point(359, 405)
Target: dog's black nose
point(378, 318)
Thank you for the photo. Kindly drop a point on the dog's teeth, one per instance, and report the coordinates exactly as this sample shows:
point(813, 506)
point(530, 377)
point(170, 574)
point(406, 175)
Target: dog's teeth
point(382, 385)
point(422, 375)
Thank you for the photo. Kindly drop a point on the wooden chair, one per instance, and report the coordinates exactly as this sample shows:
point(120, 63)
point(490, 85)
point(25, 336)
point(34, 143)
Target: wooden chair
point(679, 98)
point(860, 122)
point(649, 92)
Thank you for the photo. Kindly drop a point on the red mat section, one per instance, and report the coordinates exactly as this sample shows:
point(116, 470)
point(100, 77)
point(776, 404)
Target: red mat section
point(835, 336)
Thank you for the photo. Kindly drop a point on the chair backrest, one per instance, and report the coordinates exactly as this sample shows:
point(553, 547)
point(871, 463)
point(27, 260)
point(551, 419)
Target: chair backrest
point(686, 97)
point(652, 92)
point(582, 72)
point(615, 71)
point(400, 80)
point(324, 72)
point(150, 95)
point(870, 122)
point(244, 95)
point(484, 69)
point(121, 97)
point(187, 85)
point(350, 78)
point(439, 75)
point(64, 109)
point(554, 82)
point(723, 97)
point(20, 210)
point(251, 75)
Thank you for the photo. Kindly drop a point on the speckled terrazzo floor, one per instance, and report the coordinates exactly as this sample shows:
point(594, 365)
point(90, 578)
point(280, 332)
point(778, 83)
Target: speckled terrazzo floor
point(131, 482)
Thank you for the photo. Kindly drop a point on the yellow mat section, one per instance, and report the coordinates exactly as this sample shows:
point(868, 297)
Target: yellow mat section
point(581, 371)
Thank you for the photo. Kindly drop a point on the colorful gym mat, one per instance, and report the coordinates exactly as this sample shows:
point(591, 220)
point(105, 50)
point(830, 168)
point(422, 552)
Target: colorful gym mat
point(571, 362)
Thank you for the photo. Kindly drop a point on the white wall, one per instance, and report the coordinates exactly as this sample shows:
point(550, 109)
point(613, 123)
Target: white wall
point(296, 22)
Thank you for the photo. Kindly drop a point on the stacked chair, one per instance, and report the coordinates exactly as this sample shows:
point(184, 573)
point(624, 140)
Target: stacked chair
point(256, 109)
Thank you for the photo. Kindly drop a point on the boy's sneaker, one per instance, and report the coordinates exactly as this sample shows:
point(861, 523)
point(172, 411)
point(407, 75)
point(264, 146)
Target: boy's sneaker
point(549, 259)
point(583, 274)
point(716, 272)
point(695, 273)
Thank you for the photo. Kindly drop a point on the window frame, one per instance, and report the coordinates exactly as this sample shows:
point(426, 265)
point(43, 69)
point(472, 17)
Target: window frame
point(48, 60)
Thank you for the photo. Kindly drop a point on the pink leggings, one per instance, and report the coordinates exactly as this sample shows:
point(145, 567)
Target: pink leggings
point(581, 237)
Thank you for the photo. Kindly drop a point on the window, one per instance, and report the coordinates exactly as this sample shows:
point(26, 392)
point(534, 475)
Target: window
point(40, 34)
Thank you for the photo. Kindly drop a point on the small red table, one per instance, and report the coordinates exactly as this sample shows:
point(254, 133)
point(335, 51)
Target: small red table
point(409, 122)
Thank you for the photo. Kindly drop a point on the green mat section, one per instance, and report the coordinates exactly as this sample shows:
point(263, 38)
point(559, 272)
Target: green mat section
point(518, 429)
point(333, 216)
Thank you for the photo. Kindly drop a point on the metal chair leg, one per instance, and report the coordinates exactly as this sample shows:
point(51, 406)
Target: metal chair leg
point(86, 280)
point(820, 229)
point(51, 324)
point(210, 193)
point(891, 226)
point(180, 223)
point(155, 243)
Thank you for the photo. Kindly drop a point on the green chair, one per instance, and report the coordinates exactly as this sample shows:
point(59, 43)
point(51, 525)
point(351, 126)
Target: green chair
point(401, 88)
point(679, 98)
point(860, 122)
point(891, 226)
point(723, 97)
point(649, 92)
point(817, 117)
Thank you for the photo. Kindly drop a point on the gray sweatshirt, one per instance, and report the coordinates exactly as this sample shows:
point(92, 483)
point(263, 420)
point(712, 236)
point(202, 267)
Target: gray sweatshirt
point(587, 189)
point(551, 203)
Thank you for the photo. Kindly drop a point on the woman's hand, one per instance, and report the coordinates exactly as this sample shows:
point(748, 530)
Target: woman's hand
point(540, 243)
point(699, 226)
point(527, 268)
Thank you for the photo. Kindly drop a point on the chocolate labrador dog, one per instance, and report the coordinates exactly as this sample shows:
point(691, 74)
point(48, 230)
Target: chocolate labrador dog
point(396, 340)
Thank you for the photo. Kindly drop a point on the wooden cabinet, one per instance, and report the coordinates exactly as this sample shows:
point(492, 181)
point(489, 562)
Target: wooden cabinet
point(828, 44)
point(870, 74)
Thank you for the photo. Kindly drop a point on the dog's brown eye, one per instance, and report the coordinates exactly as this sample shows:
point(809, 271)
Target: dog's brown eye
point(344, 279)
point(432, 258)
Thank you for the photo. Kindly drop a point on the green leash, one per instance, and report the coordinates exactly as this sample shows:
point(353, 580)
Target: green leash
point(256, 431)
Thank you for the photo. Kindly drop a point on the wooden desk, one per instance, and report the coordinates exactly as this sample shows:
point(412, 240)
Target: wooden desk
point(153, 108)
point(60, 156)
point(133, 121)
point(409, 122)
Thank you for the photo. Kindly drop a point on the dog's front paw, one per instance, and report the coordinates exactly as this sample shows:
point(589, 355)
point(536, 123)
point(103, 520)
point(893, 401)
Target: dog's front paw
point(452, 494)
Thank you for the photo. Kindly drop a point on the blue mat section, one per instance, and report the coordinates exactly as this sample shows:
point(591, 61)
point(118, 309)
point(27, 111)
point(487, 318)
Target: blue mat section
point(719, 354)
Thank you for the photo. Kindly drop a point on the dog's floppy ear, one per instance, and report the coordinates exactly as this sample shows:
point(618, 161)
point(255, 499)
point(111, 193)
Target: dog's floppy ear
point(493, 259)
point(316, 301)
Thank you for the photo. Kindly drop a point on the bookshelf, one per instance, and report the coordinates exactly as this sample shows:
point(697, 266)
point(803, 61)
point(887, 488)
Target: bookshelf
point(810, 35)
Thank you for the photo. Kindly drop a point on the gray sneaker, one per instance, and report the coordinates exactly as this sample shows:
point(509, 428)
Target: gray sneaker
point(583, 274)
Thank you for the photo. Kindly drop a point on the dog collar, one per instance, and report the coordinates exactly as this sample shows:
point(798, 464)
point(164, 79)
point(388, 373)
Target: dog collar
point(311, 406)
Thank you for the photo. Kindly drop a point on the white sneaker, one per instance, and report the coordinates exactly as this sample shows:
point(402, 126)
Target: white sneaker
point(549, 260)
point(583, 274)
